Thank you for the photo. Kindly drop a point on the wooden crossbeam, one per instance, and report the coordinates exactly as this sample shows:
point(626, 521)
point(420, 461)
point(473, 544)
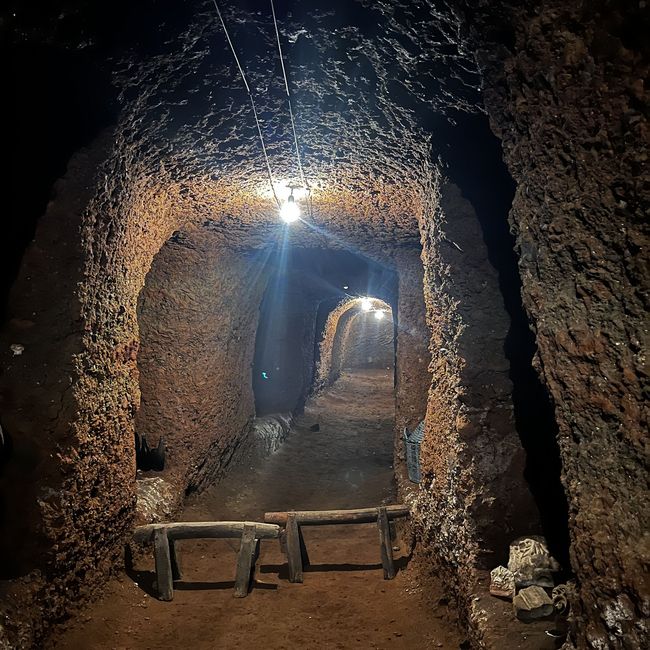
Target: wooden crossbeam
point(328, 517)
point(164, 537)
point(205, 530)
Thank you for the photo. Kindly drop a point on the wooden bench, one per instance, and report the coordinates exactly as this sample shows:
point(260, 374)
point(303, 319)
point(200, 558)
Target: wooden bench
point(164, 537)
point(294, 542)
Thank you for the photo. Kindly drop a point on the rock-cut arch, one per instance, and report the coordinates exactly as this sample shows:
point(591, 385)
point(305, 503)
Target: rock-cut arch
point(349, 333)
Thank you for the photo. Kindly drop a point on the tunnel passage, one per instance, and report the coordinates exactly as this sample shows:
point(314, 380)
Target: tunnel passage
point(303, 285)
point(378, 87)
point(368, 341)
point(358, 333)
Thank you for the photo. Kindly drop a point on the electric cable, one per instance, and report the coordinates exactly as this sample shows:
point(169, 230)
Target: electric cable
point(252, 100)
point(293, 122)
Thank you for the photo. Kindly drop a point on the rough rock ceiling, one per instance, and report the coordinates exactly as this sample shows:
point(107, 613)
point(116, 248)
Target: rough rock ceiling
point(360, 76)
point(367, 80)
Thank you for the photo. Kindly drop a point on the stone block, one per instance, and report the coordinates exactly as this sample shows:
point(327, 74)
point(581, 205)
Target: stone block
point(532, 603)
point(502, 583)
point(531, 563)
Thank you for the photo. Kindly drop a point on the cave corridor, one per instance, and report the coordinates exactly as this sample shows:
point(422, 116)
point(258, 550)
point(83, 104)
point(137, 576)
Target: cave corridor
point(264, 259)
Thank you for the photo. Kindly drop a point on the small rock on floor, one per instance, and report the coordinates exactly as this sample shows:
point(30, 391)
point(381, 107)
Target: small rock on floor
point(532, 603)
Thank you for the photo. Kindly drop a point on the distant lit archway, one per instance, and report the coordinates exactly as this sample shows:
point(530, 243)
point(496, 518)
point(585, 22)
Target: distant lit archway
point(359, 333)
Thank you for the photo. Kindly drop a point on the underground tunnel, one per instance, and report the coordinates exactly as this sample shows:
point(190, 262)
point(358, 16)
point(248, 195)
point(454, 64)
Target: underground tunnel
point(273, 268)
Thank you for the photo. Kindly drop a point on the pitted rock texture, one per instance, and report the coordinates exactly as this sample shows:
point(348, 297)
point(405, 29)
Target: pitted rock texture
point(198, 315)
point(335, 339)
point(473, 497)
point(566, 94)
point(563, 85)
point(355, 91)
point(412, 377)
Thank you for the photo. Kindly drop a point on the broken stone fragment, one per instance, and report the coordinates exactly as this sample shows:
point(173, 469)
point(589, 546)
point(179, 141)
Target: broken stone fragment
point(532, 603)
point(157, 500)
point(502, 582)
point(562, 596)
point(531, 563)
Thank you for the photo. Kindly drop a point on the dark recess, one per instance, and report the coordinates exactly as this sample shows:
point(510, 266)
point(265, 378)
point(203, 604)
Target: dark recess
point(56, 81)
point(473, 160)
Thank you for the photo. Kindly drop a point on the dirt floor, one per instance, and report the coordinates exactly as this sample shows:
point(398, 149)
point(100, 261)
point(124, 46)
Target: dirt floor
point(344, 601)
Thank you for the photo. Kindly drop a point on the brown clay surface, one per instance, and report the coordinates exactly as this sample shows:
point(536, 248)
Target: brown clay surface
point(343, 603)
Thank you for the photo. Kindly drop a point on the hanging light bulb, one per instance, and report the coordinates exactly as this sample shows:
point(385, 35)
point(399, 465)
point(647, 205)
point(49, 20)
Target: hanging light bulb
point(366, 304)
point(290, 211)
point(379, 314)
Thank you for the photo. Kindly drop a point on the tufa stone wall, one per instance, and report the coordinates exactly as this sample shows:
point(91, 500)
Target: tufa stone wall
point(473, 500)
point(564, 86)
point(367, 342)
point(331, 345)
point(70, 398)
point(198, 315)
point(412, 377)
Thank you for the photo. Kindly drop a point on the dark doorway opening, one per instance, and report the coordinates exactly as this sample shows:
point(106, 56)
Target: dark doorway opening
point(474, 162)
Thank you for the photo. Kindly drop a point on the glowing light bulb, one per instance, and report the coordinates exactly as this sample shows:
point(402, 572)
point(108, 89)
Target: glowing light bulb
point(379, 314)
point(290, 211)
point(366, 304)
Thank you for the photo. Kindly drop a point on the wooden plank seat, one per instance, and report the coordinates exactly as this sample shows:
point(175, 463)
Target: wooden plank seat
point(294, 543)
point(164, 537)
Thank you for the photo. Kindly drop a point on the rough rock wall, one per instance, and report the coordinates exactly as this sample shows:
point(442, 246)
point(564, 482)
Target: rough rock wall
point(69, 399)
point(198, 315)
point(368, 342)
point(473, 499)
point(412, 377)
point(565, 91)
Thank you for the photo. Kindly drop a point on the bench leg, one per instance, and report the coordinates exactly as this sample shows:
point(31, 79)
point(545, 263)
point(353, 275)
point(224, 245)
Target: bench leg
point(163, 565)
point(294, 555)
point(248, 550)
point(386, 544)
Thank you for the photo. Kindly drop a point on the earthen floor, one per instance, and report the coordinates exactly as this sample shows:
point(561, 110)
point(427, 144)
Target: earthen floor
point(344, 601)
